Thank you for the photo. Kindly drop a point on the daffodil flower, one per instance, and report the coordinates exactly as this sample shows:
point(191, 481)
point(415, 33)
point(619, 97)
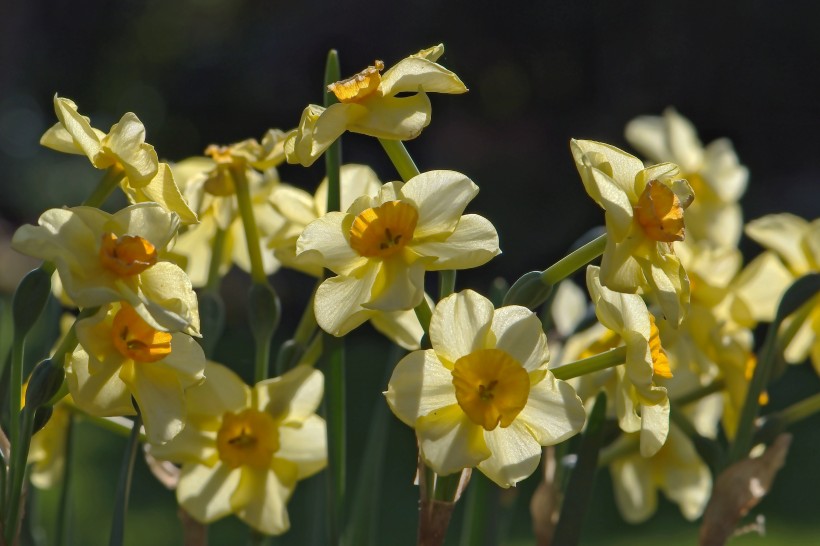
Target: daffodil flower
point(483, 396)
point(636, 398)
point(245, 448)
point(676, 470)
point(123, 148)
point(797, 242)
point(119, 356)
point(207, 183)
point(381, 247)
point(104, 258)
point(644, 217)
point(369, 104)
point(299, 209)
point(714, 172)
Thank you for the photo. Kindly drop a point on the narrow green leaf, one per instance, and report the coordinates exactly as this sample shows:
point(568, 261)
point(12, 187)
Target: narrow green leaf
point(124, 486)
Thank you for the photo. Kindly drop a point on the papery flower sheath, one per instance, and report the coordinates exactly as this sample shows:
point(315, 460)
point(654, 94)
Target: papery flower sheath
point(369, 104)
point(644, 217)
point(382, 245)
point(245, 448)
point(145, 178)
point(483, 396)
point(105, 258)
point(714, 172)
point(121, 356)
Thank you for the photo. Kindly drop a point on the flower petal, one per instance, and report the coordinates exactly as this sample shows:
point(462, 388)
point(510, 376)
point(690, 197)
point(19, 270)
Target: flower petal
point(85, 137)
point(440, 198)
point(519, 333)
point(305, 446)
point(260, 499)
point(394, 118)
point(553, 412)
point(420, 384)
point(635, 493)
point(460, 324)
point(338, 302)
point(398, 286)
point(782, 233)
point(163, 190)
point(318, 129)
point(515, 454)
point(413, 74)
point(205, 492)
point(401, 327)
point(449, 441)
point(473, 243)
point(324, 242)
point(292, 397)
point(654, 427)
point(126, 140)
point(160, 398)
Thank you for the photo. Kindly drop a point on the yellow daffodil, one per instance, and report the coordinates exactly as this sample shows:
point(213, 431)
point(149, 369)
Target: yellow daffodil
point(123, 148)
point(797, 242)
point(120, 356)
point(381, 247)
point(676, 470)
point(208, 184)
point(714, 172)
point(644, 217)
point(639, 401)
point(245, 448)
point(299, 209)
point(483, 396)
point(369, 104)
point(104, 258)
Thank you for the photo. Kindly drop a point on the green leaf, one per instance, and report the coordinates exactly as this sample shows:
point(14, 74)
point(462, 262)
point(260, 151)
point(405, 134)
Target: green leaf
point(801, 291)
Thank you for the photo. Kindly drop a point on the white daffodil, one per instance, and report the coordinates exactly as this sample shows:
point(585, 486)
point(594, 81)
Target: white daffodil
point(382, 245)
point(369, 104)
point(714, 172)
point(483, 396)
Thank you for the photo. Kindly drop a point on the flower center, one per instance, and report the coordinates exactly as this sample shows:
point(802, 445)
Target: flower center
point(382, 231)
point(136, 339)
point(491, 387)
point(356, 88)
point(248, 438)
point(660, 213)
point(660, 362)
point(127, 255)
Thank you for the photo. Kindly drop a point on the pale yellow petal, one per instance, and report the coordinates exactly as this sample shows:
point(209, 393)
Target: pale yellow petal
point(449, 441)
point(782, 233)
point(473, 243)
point(305, 446)
point(324, 241)
point(126, 141)
point(519, 333)
point(414, 73)
point(163, 190)
point(460, 325)
point(420, 385)
point(292, 397)
point(515, 454)
point(654, 427)
point(205, 492)
point(85, 137)
point(318, 129)
point(339, 300)
point(440, 198)
point(635, 494)
point(553, 412)
point(393, 118)
point(398, 286)
point(401, 327)
point(261, 497)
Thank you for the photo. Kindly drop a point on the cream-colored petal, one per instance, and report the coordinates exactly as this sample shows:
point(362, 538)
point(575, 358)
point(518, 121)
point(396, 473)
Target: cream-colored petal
point(515, 454)
point(782, 233)
point(647, 134)
point(193, 445)
point(57, 138)
point(318, 129)
point(325, 241)
point(473, 243)
point(460, 325)
point(85, 137)
point(355, 181)
point(726, 177)
point(670, 285)
point(617, 204)
point(305, 446)
point(205, 492)
point(413, 74)
point(720, 224)
point(292, 397)
point(261, 497)
point(420, 385)
point(684, 144)
point(169, 298)
point(102, 393)
point(654, 427)
point(163, 190)
point(149, 221)
point(760, 286)
point(126, 140)
point(619, 269)
point(338, 302)
point(449, 441)
point(401, 327)
point(613, 308)
point(620, 166)
point(160, 398)
point(635, 494)
point(440, 198)
point(195, 245)
point(186, 359)
point(222, 391)
point(398, 286)
point(519, 333)
point(394, 118)
point(553, 412)
point(295, 204)
point(569, 307)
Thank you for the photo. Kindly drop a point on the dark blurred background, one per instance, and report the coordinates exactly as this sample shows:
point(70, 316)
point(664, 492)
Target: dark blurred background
point(215, 71)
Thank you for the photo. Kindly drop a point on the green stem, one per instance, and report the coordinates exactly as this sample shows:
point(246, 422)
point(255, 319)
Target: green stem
point(63, 508)
point(336, 431)
point(800, 410)
point(16, 391)
point(424, 314)
point(400, 158)
point(446, 283)
point(476, 512)
point(243, 199)
point(447, 487)
point(112, 177)
point(17, 469)
point(121, 426)
point(217, 249)
point(574, 261)
point(596, 363)
point(333, 155)
point(124, 485)
point(798, 318)
point(307, 323)
point(701, 392)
